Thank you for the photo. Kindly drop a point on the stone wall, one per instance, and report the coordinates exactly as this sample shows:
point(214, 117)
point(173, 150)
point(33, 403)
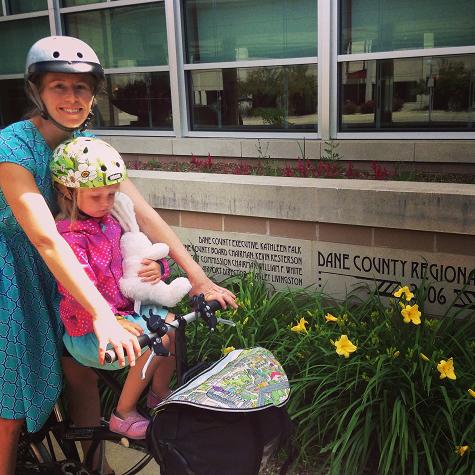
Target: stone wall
point(415, 151)
point(331, 234)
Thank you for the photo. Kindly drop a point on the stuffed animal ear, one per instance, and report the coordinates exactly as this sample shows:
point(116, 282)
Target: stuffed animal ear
point(123, 211)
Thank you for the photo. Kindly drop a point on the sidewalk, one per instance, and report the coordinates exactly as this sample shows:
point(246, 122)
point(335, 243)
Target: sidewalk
point(122, 459)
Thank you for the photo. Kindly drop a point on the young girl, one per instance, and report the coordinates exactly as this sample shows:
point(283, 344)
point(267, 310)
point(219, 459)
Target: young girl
point(87, 173)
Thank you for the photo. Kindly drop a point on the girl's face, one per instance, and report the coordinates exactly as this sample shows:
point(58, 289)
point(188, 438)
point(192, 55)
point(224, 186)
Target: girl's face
point(67, 97)
point(97, 202)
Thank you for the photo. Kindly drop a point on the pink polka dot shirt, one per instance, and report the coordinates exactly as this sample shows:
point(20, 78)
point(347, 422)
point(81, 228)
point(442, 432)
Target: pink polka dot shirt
point(96, 243)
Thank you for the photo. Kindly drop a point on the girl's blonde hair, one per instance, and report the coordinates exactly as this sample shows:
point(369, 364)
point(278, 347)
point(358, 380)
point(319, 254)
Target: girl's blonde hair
point(67, 199)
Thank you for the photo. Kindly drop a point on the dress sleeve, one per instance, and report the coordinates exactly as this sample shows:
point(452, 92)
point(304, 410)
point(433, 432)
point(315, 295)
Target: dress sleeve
point(14, 149)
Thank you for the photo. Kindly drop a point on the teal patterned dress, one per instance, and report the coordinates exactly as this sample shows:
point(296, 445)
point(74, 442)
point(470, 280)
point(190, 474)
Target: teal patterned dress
point(30, 328)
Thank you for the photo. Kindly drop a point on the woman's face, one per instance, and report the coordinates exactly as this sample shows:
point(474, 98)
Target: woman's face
point(67, 97)
point(96, 202)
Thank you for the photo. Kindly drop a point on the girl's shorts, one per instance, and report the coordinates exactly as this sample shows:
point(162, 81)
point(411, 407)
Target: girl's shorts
point(85, 348)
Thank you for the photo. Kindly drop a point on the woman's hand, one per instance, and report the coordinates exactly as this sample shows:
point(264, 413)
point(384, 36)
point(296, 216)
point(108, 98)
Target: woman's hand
point(150, 272)
point(211, 291)
point(109, 331)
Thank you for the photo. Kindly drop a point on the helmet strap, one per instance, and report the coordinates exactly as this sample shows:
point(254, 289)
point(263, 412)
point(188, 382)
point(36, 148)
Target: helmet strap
point(88, 120)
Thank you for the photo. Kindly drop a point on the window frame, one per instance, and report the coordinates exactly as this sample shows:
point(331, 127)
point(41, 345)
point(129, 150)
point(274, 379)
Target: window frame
point(328, 64)
point(184, 91)
point(108, 5)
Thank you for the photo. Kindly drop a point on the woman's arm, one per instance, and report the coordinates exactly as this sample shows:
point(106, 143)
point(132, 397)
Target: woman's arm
point(33, 215)
point(158, 230)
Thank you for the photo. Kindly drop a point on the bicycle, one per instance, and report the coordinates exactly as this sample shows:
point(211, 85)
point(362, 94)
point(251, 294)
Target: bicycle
point(36, 452)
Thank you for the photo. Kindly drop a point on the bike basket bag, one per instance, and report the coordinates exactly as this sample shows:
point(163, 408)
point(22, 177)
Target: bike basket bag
point(228, 420)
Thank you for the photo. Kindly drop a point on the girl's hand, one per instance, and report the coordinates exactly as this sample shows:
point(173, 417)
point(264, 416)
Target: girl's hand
point(150, 272)
point(109, 331)
point(131, 327)
point(212, 291)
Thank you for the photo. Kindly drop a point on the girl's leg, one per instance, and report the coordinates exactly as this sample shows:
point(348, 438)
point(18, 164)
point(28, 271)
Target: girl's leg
point(166, 365)
point(161, 368)
point(10, 430)
point(84, 403)
point(134, 386)
point(125, 419)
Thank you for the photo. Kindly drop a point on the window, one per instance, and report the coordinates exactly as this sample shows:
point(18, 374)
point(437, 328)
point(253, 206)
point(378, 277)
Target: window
point(13, 102)
point(219, 30)
point(74, 3)
point(245, 66)
point(435, 93)
point(387, 25)
point(135, 100)
point(123, 37)
point(280, 97)
point(269, 81)
point(128, 38)
point(25, 6)
point(16, 37)
point(390, 85)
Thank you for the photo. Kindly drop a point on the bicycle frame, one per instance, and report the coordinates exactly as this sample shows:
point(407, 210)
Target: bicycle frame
point(66, 435)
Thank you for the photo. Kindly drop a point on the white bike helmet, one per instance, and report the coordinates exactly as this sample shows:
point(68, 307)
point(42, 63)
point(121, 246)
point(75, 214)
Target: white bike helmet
point(60, 54)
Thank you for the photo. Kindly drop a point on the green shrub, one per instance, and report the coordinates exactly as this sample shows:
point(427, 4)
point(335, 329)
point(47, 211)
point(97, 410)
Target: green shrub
point(384, 409)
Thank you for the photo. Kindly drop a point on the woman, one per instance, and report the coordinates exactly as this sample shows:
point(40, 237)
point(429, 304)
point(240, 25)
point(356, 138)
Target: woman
point(62, 76)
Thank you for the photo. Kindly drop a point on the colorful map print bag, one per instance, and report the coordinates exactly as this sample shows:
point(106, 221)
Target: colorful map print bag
point(226, 421)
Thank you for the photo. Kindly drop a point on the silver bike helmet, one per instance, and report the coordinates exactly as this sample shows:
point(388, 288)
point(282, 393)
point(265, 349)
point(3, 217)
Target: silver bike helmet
point(60, 54)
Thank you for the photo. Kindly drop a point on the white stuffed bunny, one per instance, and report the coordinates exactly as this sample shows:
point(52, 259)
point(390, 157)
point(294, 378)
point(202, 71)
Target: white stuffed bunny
point(135, 247)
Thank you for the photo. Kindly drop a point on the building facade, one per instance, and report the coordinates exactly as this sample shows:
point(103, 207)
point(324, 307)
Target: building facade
point(389, 78)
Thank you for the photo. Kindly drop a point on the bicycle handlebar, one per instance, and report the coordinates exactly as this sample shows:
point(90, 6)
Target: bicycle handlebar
point(203, 309)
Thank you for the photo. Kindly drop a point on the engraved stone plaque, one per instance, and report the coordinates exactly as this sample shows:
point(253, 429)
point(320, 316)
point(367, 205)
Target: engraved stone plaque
point(334, 268)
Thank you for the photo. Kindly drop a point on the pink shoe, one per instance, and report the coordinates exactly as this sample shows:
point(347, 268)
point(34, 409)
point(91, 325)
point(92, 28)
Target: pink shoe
point(133, 427)
point(153, 400)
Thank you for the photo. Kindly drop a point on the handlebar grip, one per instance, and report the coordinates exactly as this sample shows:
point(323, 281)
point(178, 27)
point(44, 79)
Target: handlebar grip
point(214, 305)
point(111, 357)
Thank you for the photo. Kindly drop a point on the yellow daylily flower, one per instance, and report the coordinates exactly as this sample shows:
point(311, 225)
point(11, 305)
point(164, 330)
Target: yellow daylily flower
point(446, 369)
point(461, 449)
point(228, 350)
point(330, 318)
point(408, 295)
point(423, 357)
point(411, 314)
point(471, 392)
point(300, 327)
point(344, 346)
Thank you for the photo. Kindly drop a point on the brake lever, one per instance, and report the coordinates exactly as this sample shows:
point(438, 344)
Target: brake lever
point(158, 349)
point(226, 322)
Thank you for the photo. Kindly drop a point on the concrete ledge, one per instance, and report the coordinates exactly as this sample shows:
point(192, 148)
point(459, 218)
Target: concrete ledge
point(408, 151)
point(435, 207)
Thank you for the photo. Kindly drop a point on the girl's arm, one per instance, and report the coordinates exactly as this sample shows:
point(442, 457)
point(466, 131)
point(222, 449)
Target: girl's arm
point(33, 215)
point(157, 230)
